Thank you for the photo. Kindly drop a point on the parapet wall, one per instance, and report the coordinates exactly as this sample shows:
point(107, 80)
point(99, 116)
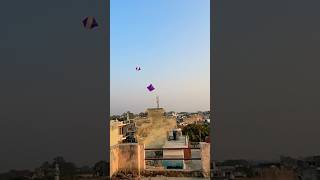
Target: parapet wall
point(128, 157)
point(155, 112)
point(205, 158)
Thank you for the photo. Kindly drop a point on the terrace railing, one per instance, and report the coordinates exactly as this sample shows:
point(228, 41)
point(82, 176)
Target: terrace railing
point(159, 156)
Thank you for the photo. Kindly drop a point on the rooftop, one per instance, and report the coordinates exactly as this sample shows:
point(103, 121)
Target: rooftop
point(179, 143)
point(116, 123)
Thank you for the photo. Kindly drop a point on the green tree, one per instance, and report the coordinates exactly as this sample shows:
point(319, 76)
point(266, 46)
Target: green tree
point(196, 132)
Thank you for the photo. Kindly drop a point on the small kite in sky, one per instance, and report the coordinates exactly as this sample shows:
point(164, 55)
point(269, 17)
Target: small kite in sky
point(89, 23)
point(138, 68)
point(150, 87)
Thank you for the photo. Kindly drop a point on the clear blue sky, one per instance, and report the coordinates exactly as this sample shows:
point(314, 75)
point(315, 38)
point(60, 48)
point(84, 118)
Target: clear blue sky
point(170, 41)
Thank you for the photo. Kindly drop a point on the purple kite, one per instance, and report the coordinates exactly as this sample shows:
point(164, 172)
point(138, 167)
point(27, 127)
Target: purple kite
point(89, 23)
point(150, 87)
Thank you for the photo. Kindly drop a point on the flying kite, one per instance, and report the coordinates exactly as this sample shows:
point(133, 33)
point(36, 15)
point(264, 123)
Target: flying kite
point(150, 87)
point(89, 22)
point(138, 68)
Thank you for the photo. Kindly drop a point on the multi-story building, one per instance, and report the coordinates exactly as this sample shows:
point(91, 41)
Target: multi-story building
point(117, 132)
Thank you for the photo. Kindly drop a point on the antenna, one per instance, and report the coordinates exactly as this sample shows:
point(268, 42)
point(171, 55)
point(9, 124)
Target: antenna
point(157, 101)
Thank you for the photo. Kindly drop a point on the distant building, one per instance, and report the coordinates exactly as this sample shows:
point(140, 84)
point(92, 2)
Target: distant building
point(183, 124)
point(195, 118)
point(129, 115)
point(171, 114)
point(117, 132)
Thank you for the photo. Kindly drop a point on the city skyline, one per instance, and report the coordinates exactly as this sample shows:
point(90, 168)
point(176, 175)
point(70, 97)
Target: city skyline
point(171, 46)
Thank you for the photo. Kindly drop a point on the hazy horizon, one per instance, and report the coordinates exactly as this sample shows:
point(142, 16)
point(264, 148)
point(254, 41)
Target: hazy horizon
point(171, 46)
point(166, 110)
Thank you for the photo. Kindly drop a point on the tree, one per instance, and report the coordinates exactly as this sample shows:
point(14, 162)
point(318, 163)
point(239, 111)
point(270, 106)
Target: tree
point(142, 114)
point(65, 168)
point(68, 169)
point(60, 160)
point(46, 168)
point(196, 132)
point(100, 168)
point(85, 170)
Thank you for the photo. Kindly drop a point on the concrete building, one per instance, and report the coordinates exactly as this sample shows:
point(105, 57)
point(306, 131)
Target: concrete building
point(152, 131)
point(195, 118)
point(117, 129)
point(155, 112)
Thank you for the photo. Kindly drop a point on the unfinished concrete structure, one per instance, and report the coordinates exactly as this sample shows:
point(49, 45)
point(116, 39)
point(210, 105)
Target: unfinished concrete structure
point(152, 131)
point(116, 132)
point(155, 114)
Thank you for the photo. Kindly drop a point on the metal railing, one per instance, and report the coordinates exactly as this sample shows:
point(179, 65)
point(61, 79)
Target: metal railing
point(160, 149)
point(154, 159)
